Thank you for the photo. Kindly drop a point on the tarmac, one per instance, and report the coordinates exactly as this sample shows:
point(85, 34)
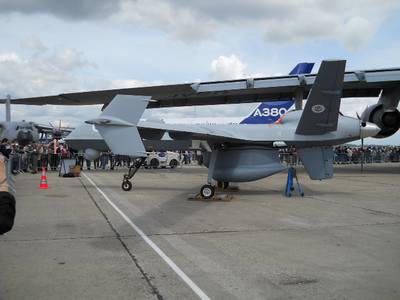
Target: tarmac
point(86, 238)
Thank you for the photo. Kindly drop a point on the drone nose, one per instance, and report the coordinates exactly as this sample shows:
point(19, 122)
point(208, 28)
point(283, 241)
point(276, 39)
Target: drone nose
point(369, 129)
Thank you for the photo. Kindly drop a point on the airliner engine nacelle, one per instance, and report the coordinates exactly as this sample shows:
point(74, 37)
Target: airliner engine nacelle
point(91, 154)
point(387, 119)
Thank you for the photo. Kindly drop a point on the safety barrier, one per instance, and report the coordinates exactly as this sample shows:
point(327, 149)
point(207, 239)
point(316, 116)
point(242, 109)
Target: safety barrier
point(342, 158)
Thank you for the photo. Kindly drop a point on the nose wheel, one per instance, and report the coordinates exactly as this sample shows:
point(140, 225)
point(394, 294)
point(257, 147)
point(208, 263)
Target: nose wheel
point(207, 191)
point(126, 185)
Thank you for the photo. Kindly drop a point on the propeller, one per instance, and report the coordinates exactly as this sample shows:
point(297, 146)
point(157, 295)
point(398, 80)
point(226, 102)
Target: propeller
point(58, 129)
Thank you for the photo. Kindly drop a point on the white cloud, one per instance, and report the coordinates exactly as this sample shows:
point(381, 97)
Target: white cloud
point(227, 67)
point(9, 57)
point(178, 21)
point(357, 32)
point(351, 23)
point(35, 44)
point(50, 74)
point(69, 115)
point(42, 74)
point(69, 59)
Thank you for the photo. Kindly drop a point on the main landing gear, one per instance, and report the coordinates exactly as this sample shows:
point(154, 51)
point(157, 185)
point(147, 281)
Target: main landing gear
point(207, 191)
point(126, 184)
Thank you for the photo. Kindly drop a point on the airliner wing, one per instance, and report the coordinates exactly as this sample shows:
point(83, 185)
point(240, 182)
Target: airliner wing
point(368, 83)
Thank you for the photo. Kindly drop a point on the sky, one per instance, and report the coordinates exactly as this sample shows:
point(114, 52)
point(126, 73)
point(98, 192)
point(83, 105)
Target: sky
point(49, 47)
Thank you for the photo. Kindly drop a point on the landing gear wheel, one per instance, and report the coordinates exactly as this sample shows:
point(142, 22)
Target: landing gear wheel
point(207, 191)
point(126, 185)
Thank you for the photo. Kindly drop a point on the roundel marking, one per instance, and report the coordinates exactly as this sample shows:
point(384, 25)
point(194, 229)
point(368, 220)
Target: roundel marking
point(318, 108)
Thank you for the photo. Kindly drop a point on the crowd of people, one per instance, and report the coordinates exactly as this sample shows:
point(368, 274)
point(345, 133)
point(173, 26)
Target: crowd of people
point(32, 157)
point(372, 154)
point(346, 154)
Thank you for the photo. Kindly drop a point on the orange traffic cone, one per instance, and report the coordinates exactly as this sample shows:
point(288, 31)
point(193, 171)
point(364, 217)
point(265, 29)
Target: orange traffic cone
point(43, 180)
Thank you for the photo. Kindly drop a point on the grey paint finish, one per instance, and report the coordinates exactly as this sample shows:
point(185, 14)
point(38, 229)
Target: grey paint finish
point(318, 161)
point(323, 102)
point(117, 124)
point(247, 163)
point(348, 129)
point(86, 136)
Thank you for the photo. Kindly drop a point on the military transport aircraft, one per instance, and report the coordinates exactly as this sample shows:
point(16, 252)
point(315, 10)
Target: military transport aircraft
point(244, 152)
point(25, 132)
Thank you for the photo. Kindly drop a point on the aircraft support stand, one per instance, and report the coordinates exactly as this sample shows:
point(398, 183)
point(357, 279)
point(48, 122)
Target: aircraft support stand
point(292, 174)
point(126, 184)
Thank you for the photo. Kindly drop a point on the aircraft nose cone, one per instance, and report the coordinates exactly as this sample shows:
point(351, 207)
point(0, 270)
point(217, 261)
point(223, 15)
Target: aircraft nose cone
point(370, 129)
point(24, 137)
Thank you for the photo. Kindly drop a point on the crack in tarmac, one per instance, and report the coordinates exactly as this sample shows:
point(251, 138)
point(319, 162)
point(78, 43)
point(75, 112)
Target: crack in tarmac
point(206, 232)
point(377, 212)
point(146, 277)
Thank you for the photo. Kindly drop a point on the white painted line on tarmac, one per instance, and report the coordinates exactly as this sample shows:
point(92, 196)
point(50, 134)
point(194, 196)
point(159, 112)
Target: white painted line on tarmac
point(161, 253)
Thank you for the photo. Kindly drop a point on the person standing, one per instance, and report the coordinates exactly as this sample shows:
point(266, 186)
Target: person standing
point(34, 157)
point(5, 148)
point(53, 155)
point(44, 156)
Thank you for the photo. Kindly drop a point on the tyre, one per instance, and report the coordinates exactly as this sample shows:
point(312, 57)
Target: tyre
point(173, 163)
point(154, 163)
point(207, 191)
point(126, 185)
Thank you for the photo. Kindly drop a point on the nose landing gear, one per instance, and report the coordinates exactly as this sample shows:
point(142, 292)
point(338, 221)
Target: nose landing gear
point(126, 184)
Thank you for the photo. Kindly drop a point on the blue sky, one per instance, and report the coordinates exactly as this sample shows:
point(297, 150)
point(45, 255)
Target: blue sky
point(51, 47)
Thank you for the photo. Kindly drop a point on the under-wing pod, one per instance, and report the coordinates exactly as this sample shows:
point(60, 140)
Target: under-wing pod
point(244, 163)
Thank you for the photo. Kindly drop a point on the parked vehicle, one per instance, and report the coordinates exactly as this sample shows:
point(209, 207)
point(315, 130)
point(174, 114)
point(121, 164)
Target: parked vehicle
point(162, 159)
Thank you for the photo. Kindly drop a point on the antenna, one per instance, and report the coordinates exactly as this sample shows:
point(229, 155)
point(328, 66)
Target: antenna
point(8, 108)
